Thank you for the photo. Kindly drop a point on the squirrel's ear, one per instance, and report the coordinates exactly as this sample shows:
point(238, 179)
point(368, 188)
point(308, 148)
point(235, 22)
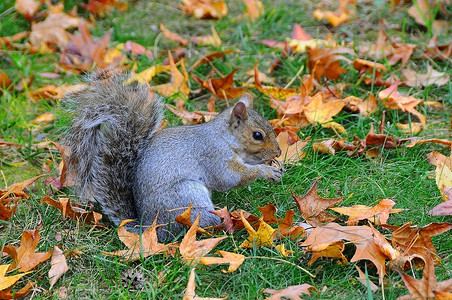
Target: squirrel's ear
point(238, 113)
point(247, 99)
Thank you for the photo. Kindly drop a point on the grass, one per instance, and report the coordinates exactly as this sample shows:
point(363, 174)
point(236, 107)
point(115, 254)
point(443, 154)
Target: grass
point(401, 174)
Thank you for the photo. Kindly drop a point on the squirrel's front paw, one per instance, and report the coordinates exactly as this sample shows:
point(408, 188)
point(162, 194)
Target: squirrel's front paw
point(274, 172)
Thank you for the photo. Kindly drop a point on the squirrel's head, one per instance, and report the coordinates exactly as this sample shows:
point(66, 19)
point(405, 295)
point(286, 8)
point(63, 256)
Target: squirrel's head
point(256, 137)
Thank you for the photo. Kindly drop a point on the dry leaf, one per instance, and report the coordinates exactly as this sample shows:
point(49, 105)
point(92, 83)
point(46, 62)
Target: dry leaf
point(7, 281)
point(411, 128)
point(178, 83)
point(254, 9)
point(333, 250)
point(378, 214)
point(268, 214)
point(24, 256)
point(290, 292)
point(139, 246)
point(205, 9)
point(222, 87)
point(190, 291)
point(345, 10)
point(291, 153)
point(193, 250)
point(282, 250)
point(173, 36)
point(438, 52)
point(146, 76)
point(28, 8)
point(44, 118)
point(263, 237)
point(417, 141)
point(363, 107)
point(432, 76)
point(326, 62)
point(312, 207)
point(286, 227)
point(58, 266)
point(210, 39)
point(227, 224)
point(233, 259)
point(210, 57)
point(365, 280)
point(443, 173)
point(73, 211)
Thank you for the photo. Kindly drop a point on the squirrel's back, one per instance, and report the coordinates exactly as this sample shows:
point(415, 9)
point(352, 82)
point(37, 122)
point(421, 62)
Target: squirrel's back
point(112, 121)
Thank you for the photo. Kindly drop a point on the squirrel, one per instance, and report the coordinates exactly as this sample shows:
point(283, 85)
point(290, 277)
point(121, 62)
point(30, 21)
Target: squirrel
point(119, 157)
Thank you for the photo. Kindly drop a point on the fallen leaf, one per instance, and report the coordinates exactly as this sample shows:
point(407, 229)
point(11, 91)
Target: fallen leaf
point(423, 13)
point(287, 229)
point(319, 111)
point(210, 57)
point(363, 107)
point(193, 250)
point(5, 82)
point(28, 8)
point(210, 39)
point(205, 9)
point(427, 287)
point(417, 141)
point(17, 189)
point(187, 117)
point(190, 291)
point(365, 280)
point(333, 250)
point(371, 72)
point(438, 52)
point(290, 292)
point(432, 76)
point(410, 128)
point(345, 10)
point(268, 214)
point(101, 7)
point(51, 34)
point(173, 36)
point(139, 246)
point(282, 250)
point(326, 62)
point(7, 281)
point(226, 216)
point(291, 153)
point(263, 237)
point(178, 83)
point(73, 211)
point(222, 87)
point(392, 99)
point(24, 256)
point(146, 76)
point(58, 266)
point(312, 207)
point(378, 214)
point(443, 173)
point(233, 259)
point(44, 118)
point(254, 9)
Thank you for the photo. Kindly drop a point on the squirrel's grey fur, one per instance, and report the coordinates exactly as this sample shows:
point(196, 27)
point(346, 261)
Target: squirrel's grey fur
point(119, 159)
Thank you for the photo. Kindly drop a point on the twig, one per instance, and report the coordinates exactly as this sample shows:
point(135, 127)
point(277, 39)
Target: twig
point(295, 77)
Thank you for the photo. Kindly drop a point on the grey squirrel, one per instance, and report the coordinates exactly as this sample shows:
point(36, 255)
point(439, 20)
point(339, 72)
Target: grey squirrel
point(120, 158)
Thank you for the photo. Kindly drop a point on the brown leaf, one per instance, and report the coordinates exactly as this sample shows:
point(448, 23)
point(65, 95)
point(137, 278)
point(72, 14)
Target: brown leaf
point(178, 83)
point(195, 117)
point(140, 246)
point(193, 250)
point(190, 291)
point(416, 242)
point(372, 72)
point(378, 214)
point(325, 62)
point(28, 8)
point(438, 52)
point(290, 292)
point(236, 217)
point(268, 213)
point(363, 107)
point(222, 87)
point(210, 57)
point(442, 209)
point(73, 211)
point(428, 287)
point(291, 153)
point(58, 266)
point(312, 207)
point(205, 9)
point(233, 259)
point(24, 257)
point(417, 141)
point(51, 34)
point(346, 9)
point(227, 224)
point(17, 189)
point(5, 82)
point(333, 250)
point(432, 76)
point(286, 227)
point(365, 280)
point(173, 36)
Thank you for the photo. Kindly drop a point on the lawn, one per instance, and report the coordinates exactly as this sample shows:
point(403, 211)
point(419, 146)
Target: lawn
point(403, 174)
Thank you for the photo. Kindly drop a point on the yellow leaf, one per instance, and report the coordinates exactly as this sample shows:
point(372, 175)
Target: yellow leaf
point(262, 237)
point(6, 282)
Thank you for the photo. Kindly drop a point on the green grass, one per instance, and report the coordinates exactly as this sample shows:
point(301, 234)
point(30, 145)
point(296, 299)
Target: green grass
point(401, 174)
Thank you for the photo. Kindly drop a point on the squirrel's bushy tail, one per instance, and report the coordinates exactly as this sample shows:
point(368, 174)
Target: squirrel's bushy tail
point(111, 122)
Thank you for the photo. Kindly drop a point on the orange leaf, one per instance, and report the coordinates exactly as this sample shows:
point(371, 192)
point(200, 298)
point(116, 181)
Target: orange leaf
point(290, 292)
point(173, 36)
point(24, 257)
point(227, 224)
point(139, 246)
point(254, 8)
point(74, 211)
point(233, 259)
point(291, 153)
point(222, 87)
point(7, 281)
point(58, 266)
point(325, 62)
point(333, 250)
point(28, 8)
point(312, 206)
point(205, 9)
point(210, 57)
point(178, 83)
point(268, 213)
point(286, 227)
point(193, 250)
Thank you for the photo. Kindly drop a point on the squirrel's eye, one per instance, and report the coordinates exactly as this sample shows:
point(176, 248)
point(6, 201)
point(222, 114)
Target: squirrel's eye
point(258, 136)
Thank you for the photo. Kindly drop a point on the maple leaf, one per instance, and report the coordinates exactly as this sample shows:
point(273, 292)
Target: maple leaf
point(363, 107)
point(320, 111)
point(17, 189)
point(58, 266)
point(263, 237)
point(346, 8)
point(254, 9)
point(190, 291)
point(291, 153)
point(227, 224)
point(5, 82)
point(24, 257)
point(333, 250)
point(53, 92)
point(312, 207)
point(50, 34)
point(378, 214)
point(423, 13)
point(325, 61)
point(210, 57)
point(271, 91)
point(193, 250)
point(233, 259)
point(428, 287)
point(205, 9)
point(286, 227)
point(443, 173)
point(7, 281)
point(185, 219)
point(392, 99)
point(282, 250)
point(416, 242)
point(83, 51)
point(438, 52)
point(74, 211)
point(140, 246)
point(178, 83)
point(371, 72)
point(222, 88)
point(268, 214)
point(290, 292)
point(432, 76)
